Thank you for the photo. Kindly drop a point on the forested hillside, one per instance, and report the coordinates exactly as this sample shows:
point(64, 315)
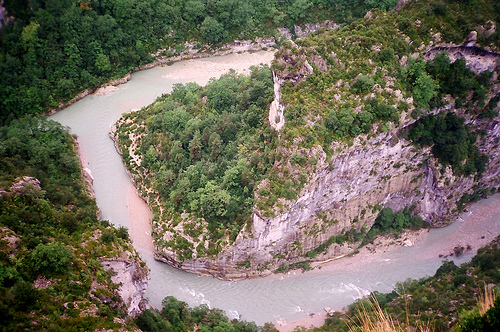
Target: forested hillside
point(52, 50)
point(52, 246)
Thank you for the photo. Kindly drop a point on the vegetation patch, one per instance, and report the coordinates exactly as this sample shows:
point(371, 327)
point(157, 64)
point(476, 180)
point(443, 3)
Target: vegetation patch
point(202, 152)
point(452, 142)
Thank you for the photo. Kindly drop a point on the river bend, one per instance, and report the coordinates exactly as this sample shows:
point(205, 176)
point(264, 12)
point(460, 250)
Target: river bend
point(288, 297)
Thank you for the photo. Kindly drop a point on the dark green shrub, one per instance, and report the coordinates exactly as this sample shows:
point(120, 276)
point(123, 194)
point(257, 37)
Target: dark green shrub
point(52, 258)
point(108, 235)
point(363, 84)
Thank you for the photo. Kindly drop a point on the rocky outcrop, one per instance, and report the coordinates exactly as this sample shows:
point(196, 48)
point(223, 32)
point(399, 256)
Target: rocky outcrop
point(291, 65)
point(132, 280)
point(10, 242)
point(302, 31)
point(308, 28)
point(276, 116)
point(24, 185)
point(4, 16)
point(401, 4)
point(478, 59)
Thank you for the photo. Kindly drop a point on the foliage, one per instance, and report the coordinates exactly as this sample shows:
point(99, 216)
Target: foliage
point(205, 157)
point(211, 30)
point(452, 142)
point(423, 86)
point(475, 321)
point(179, 317)
point(51, 259)
point(53, 227)
point(389, 222)
point(51, 52)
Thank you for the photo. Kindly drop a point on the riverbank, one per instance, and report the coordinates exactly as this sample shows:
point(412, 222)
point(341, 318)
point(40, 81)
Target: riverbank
point(476, 228)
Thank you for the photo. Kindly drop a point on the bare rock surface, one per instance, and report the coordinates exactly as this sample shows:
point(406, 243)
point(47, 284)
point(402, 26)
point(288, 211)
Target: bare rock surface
point(132, 280)
point(25, 184)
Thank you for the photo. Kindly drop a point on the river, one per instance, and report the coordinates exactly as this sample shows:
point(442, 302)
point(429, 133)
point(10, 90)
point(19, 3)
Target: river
point(289, 297)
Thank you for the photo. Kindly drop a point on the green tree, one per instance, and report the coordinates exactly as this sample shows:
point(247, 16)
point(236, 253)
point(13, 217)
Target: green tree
point(212, 31)
point(385, 218)
point(52, 258)
point(298, 9)
point(102, 63)
point(194, 12)
point(213, 201)
point(195, 146)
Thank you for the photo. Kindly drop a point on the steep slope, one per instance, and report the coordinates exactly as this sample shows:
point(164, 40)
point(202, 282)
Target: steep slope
point(356, 103)
point(60, 268)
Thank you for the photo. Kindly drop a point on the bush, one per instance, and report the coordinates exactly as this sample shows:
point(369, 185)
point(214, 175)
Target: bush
point(52, 258)
point(363, 84)
point(123, 233)
point(108, 236)
point(452, 142)
point(386, 55)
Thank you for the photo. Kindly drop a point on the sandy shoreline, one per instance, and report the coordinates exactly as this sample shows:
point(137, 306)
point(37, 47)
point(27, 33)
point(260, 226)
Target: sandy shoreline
point(475, 228)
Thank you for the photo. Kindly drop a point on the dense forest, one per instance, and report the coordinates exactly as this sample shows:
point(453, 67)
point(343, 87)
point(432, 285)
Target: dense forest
point(202, 150)
point(51, 241)
point(54, 49)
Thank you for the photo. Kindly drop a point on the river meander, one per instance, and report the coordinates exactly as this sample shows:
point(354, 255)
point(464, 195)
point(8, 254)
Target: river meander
point(290, 296)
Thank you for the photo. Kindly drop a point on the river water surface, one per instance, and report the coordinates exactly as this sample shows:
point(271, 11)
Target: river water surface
point(288, 297)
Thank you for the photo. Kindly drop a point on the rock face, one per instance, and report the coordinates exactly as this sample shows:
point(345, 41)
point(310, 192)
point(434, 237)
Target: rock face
point(132, 280)
point(276, 117)
point(11, 243)
point(26, 184)
point(309, 28)
point(294, 67)
point(478, 60)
